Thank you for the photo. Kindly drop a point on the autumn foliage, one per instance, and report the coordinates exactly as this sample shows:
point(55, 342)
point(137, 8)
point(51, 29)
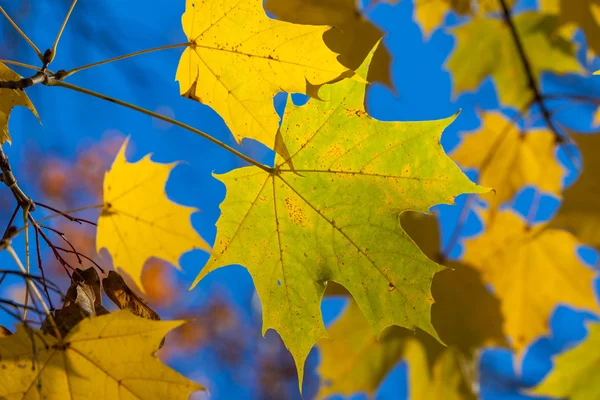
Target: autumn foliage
point(350, 207)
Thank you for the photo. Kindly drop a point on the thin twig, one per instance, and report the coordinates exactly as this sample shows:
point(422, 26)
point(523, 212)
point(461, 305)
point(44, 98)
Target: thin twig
point(33, 46)
point(82, 255)
point(57, 255)
point(66, 215)
point(62, 235)
point(7, 231)
point(34, 289)
point(11, 182)
point(62, 28)
point(27, 264)
point(531, 81)
point(62, 74)
point(61, 214)
point(573, 97)
point(20, 64)
point(41, 267)
point(54, 82)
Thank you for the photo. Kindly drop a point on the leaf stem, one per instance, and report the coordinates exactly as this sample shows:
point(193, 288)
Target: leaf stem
point(20, 64)
point(33, 46)
point(54, 82)
point(64, 74)
point(62, 28)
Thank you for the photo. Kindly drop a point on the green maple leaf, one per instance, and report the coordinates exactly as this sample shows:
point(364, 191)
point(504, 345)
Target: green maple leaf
point(335, 217)
point(499, 59)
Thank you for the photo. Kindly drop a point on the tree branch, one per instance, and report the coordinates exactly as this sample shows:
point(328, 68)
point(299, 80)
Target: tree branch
point(531, 81)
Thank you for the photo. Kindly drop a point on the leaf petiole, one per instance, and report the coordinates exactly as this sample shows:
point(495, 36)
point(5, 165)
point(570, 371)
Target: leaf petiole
point(64, 74)
point(33, 46)
point(62, 28)
point(54, 82)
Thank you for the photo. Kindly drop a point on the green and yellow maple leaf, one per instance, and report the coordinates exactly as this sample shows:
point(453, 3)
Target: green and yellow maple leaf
point(354, 38)
point(335, 216)
point(107, 357)
point(584, 14)
point(138, 221)
point(532, 270)
point(575, 372)
point(579, 212)
point(508, 159)
point(238, 59)
point(9, 99)
point(498, 57)
point(430, 14)
point(465, 315)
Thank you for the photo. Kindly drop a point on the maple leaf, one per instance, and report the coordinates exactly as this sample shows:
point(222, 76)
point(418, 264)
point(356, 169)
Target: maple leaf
point(498, 57)
point(353, 359)
point(532, 270)
point(138, 221)
point(465, 315)
point(575, 372)
point(353, 40)
point(509, 159)
point(9, 99)
point(430, 14)
point(442, 380)
point(105, 357)
point(238, 59)
point(334, 218)
point(579, 212)
point(584, 14)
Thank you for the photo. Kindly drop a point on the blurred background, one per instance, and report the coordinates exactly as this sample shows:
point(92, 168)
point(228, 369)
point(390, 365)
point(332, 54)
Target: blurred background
point(62, 161)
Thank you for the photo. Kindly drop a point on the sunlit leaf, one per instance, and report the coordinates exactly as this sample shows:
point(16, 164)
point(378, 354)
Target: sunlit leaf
point(508, 158)
point(138, 221)
point(238, 59)
point(107, 357)
point(9, 99)
point(336, 216)
point(430, 14)
point(443, 380)
point(354, 38)
point(532, 270)
point(497, 56)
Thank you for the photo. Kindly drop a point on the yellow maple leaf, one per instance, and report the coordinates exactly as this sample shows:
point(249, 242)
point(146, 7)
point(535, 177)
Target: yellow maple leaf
point(238, 59)
point(497, 55)
point(507, 159)
point(532, 270)
point(9, 99)
point(353, 40)
point(575, 372)
point(431, 13)
point(444, 380)
point(138, 221)
point(580, 211)
point(107, 357)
